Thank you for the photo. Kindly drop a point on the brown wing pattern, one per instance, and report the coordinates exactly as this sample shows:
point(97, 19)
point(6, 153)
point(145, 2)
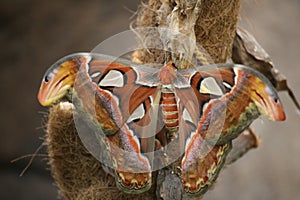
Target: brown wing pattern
point(220, 118)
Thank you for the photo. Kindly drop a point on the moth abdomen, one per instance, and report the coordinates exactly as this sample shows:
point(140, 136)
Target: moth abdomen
point(169, 110)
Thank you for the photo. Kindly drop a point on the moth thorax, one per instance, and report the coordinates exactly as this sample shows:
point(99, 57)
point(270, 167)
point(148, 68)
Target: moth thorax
point(169, 109)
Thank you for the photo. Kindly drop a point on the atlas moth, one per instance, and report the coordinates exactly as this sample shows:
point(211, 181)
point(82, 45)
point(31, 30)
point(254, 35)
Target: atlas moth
point(110, 91)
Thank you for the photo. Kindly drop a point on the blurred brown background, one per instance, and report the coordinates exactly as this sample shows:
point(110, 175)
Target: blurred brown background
point(35, 33)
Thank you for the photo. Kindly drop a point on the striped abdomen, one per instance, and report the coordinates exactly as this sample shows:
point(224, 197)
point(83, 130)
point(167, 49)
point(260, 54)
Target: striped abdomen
point(169, 110)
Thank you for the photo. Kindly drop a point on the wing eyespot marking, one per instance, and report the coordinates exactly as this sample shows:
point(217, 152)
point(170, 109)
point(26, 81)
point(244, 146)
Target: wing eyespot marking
point(186, 116)
point(113, 78)
point(137, 114)
point(210, 86)
point(95, 75)
point(227, 85)
point(48, 77)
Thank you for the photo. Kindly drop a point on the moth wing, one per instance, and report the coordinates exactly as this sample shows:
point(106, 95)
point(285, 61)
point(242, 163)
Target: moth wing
point(243, 95)
point(118, 87)
point(201, 162)
point(218, 116)
point(107, 91)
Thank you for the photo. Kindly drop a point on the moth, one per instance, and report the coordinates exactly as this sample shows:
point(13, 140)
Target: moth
point(138, 107)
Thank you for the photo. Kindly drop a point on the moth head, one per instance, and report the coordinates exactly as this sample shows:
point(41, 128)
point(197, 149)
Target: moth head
point(57, 82)
point(167, 73)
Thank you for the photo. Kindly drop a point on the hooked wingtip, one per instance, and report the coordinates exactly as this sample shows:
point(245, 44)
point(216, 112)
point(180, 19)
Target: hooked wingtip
point(269, 104)
point(57, 82)
point(278, 113)
point(48, 95)
point(42, 96)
